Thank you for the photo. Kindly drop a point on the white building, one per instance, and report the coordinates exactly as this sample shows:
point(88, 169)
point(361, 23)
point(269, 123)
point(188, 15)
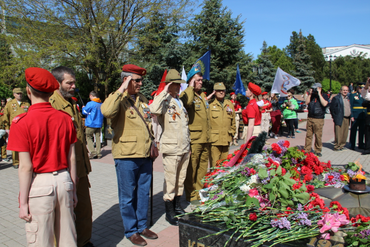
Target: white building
point(349, 50)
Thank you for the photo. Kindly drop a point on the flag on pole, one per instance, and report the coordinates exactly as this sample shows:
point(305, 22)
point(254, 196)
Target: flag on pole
point(203, 65)
point(183, 77)
point(283, 82)
point(238, 84)
point(162, 84)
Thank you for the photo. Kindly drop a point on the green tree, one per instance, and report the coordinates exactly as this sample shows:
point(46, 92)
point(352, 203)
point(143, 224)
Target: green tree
point(93, 35)
point(7, 65)
point(313, 49)
point(349, 69)
point(214, 29)
point(266, 78)
point(335, 85)
point(304, 71)
point(316, 57)
point(279, 58)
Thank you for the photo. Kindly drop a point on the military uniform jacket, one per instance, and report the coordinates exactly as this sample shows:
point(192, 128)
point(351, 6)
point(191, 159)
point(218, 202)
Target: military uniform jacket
point(198, 108)
point(13, 109)
point(131, 138)
point(175, 137)
point(357, 110)
point(222, 122)
point(2, 117)
point(82, 159)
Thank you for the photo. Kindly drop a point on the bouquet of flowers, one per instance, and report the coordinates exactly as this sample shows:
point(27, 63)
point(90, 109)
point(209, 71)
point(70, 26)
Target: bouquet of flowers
point(268, 196)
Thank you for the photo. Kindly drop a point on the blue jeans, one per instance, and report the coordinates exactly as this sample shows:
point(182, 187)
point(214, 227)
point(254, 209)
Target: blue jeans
point(134, 178)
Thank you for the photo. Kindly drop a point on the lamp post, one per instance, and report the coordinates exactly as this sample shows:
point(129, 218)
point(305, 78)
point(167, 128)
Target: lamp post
point(257, 69)
point(90, 75)
point(330, 58)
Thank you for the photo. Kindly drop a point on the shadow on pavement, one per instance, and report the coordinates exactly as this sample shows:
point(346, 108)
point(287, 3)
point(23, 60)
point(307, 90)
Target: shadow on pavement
point(110, 226)
point(6, 165)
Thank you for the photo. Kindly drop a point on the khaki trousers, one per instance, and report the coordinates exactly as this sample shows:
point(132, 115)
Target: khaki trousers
point(314, 127)
point(3, 147)
point(237, 119)
point(256, 131)
point(83, 212)
point(51, 207)
point(218, 153)
point(15, 157)
point(341, 134)
point(197, 169)
point(265, 122)
point(175, 167)
point(90, 132)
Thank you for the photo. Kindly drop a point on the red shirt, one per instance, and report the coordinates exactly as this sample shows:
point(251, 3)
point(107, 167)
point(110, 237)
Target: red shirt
point(266, 107)
point(252, 111)
point(46, 134)
point(236, 104)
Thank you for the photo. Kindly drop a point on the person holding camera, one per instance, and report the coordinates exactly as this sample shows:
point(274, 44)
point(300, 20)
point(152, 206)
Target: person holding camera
point(316, 102)
point(289, 106)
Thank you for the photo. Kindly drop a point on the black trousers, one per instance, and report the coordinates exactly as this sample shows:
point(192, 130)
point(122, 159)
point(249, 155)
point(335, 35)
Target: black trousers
point(360, 125)
point(367, 133)
point(290, 125)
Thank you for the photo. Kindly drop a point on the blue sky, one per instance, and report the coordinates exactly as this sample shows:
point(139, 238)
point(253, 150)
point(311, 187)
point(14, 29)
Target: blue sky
point(332, 23)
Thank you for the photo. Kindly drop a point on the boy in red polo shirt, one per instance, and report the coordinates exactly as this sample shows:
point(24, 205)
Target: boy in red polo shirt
point(44, 138)
point(252, 114)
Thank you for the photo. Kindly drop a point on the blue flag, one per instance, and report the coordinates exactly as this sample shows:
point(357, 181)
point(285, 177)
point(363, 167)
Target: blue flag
point(238, 85)
point(203, 65)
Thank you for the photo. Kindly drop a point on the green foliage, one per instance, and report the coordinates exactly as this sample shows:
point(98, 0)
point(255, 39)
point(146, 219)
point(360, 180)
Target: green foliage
point(214, 29)
point(312, 49)
point(349, 69)
point(335, 85)
point(91, 35)
point(304, 71)
point(266, 78)
point(279, 58)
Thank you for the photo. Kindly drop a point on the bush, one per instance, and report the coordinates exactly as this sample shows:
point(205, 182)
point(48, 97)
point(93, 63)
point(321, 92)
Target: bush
point(335, 85)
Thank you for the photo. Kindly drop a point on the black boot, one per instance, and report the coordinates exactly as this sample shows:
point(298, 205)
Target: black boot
point(170, 213)
point(178, 209)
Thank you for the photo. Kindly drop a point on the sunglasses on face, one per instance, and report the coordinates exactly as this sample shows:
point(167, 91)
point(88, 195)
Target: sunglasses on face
point(137, 80)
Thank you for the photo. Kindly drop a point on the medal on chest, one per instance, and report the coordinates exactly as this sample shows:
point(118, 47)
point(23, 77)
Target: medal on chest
point(229, 110)
point(14, 106)
point(172, 112)
point(146, 110)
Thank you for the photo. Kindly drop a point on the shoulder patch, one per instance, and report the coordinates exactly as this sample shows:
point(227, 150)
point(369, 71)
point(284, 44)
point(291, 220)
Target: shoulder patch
point(19, 117)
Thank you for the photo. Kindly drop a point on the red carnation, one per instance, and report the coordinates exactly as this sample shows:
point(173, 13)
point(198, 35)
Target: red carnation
point(310, 188)
point(253, 216)
point(306, 170)
point(252, 171)
point(276, 148)
point(286, 144)
point(330, 177)
point(229, 156)
point(308, 177)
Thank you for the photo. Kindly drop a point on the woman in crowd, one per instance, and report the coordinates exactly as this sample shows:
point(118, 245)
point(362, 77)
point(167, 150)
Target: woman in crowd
point(289, 106)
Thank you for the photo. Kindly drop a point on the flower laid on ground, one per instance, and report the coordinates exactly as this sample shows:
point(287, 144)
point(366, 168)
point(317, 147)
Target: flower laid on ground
point(272, 194)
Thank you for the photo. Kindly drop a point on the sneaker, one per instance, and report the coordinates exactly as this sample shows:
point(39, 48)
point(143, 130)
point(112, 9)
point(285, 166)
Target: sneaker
point(297, 131)
point(318, 154)
point(276, 137)
point(293, 137)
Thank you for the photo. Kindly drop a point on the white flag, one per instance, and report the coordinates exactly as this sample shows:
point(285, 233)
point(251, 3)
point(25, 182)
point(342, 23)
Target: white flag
point(183, 77)
point(283, 82)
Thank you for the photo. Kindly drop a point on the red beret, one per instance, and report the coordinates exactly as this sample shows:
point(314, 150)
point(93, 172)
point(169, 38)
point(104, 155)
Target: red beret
point(134, 69)
point(41, 80)
point(264, 93)
point(232, 93)
point(256, 90)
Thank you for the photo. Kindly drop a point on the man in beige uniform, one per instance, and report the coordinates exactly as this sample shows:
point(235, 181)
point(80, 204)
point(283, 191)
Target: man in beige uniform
point(197, 106)
point(61, 100)
point(12, 109)
point(174, 143)
point(131, 121)
point(222, 124)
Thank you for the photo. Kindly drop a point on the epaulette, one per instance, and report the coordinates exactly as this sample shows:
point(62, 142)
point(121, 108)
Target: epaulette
point(18, 117)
